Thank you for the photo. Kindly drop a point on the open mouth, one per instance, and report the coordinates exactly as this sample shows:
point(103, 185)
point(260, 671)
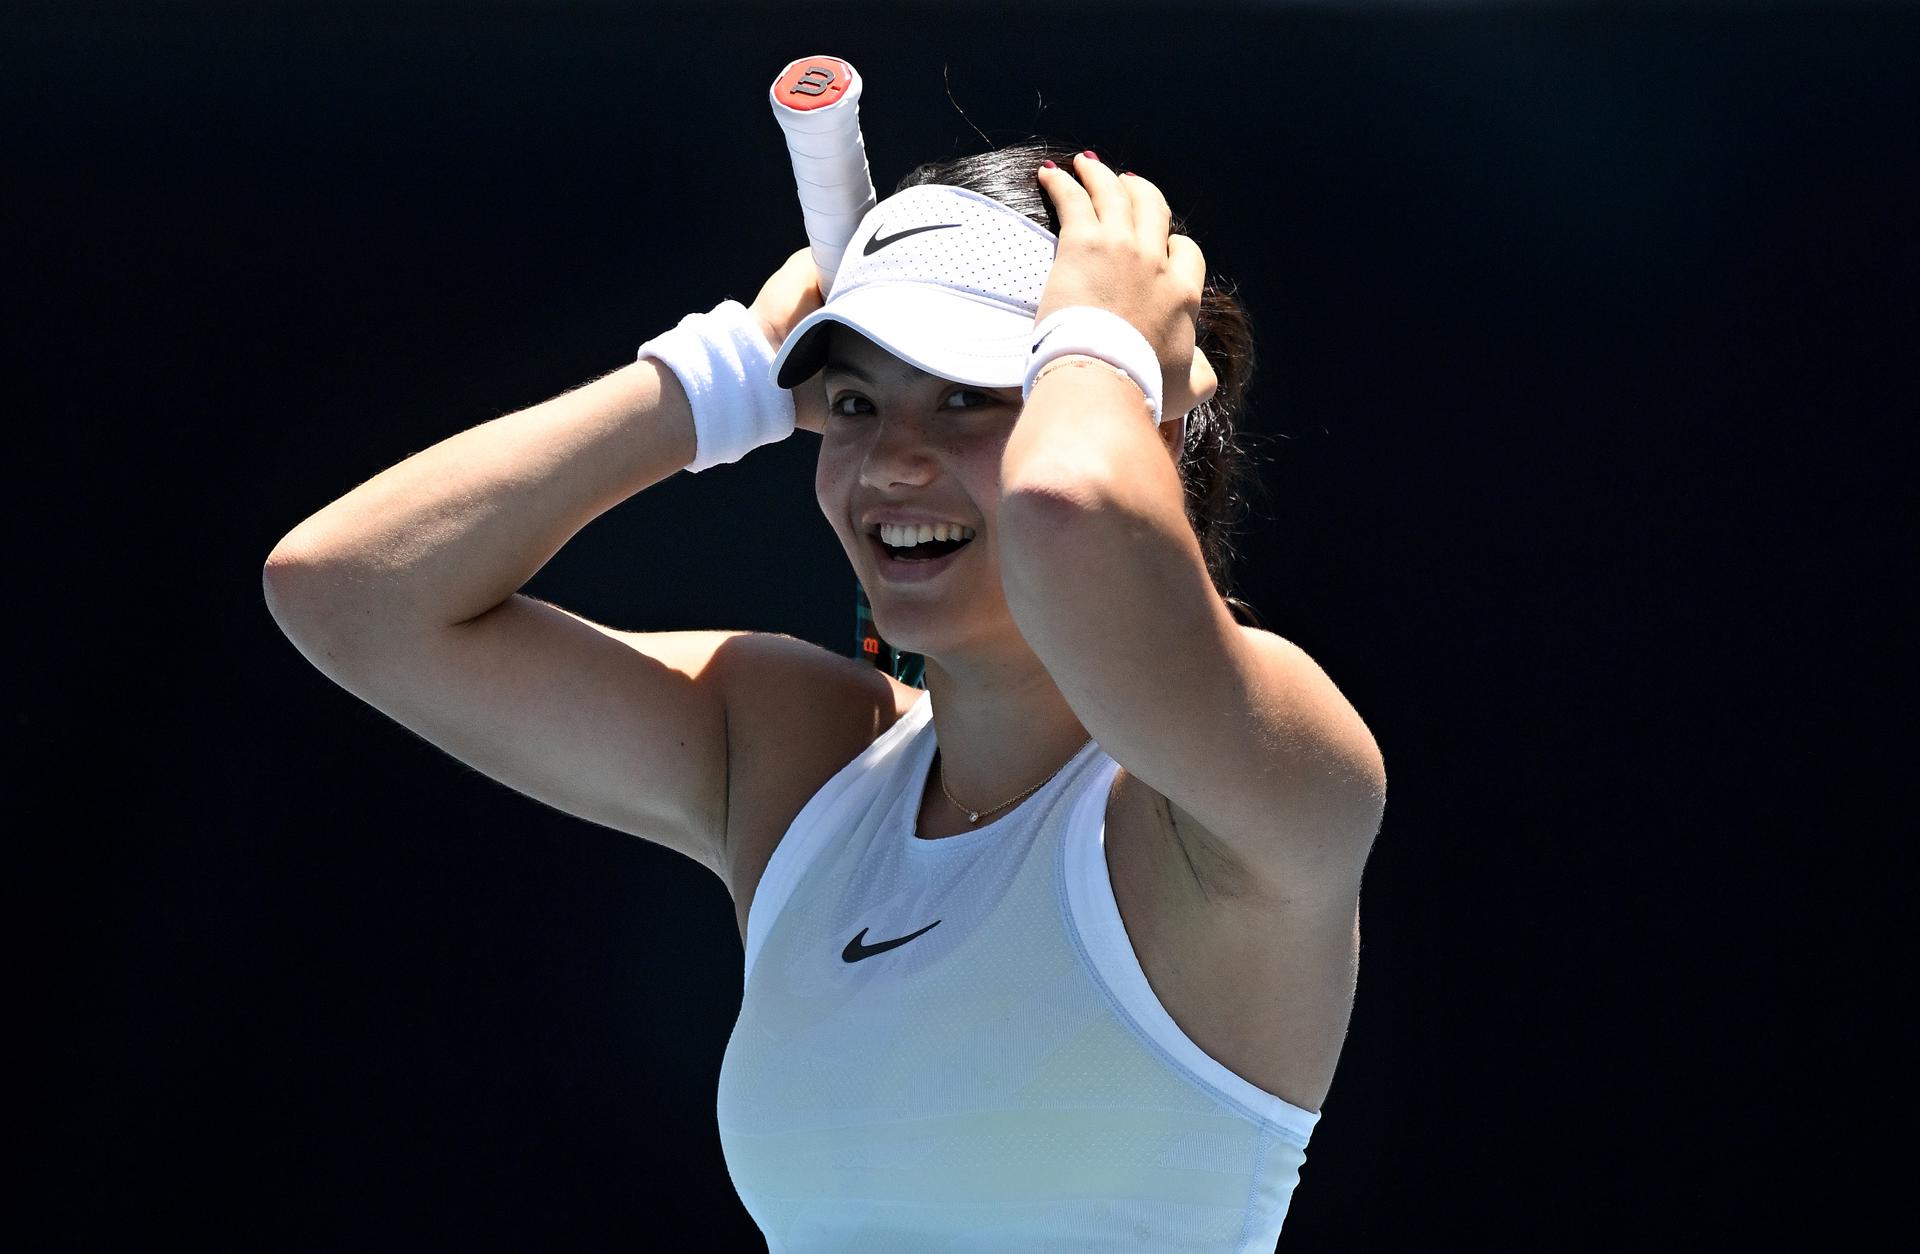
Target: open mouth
point(918, 559)
point(925, 552)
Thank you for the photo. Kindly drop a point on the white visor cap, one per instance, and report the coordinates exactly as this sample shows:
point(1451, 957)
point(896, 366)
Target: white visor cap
point(943, 278)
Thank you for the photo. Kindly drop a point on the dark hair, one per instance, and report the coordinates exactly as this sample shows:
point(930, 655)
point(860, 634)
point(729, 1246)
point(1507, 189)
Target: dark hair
point(1215, 470)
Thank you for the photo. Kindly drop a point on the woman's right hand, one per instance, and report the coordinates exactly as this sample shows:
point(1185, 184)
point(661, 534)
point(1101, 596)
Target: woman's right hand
point(789, 295)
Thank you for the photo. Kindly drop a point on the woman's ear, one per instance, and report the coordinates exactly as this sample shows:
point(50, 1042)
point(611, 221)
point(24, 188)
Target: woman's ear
point(1169, 432)
point(810, 404)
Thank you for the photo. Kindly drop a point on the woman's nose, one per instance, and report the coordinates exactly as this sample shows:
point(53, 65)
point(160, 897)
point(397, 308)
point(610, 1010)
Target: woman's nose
point(899, 452)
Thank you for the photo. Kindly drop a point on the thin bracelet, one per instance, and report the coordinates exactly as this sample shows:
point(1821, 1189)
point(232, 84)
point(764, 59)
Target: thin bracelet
point(1084, 360)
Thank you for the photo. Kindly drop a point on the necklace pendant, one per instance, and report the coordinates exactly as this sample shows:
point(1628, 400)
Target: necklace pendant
point(973, 816)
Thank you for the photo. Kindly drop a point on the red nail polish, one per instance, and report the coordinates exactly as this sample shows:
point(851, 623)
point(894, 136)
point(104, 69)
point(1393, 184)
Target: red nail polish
point(1049, 165)
point(1091, 153)
point(1125, 173)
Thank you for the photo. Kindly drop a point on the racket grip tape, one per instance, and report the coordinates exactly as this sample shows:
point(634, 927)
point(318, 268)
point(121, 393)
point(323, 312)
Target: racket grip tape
point(816, 100)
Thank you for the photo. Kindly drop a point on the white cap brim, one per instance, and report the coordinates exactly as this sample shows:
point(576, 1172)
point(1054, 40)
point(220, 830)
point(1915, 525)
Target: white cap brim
point(946, 333)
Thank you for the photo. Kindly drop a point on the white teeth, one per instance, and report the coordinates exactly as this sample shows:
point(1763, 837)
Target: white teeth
point(900, 536)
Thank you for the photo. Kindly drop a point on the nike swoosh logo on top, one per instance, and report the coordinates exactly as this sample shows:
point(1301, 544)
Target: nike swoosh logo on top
point(878, 241)
point(855, 950)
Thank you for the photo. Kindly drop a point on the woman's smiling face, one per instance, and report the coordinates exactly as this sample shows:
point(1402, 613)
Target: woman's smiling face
point(900, 441)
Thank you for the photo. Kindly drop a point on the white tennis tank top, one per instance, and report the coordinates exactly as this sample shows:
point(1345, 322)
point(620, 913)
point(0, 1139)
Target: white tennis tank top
point(949, 1045)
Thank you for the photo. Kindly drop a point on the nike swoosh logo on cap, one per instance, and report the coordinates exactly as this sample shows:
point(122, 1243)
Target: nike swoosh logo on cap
point(878, 241)
point(855, 951)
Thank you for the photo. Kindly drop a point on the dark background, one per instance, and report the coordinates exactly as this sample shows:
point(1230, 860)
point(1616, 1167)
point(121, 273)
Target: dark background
point(1588, 371)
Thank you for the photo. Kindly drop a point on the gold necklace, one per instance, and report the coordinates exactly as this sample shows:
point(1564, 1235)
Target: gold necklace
point(973, 816)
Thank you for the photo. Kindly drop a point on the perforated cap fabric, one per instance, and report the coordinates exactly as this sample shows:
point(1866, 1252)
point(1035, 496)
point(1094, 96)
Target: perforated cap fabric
point(943, 278)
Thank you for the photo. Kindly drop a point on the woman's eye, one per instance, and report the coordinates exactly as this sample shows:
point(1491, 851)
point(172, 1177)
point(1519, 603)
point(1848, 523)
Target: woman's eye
point(978, 399)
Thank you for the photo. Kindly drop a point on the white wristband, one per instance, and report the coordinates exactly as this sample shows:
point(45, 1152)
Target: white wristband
point(723, 360)
point(1095, 332)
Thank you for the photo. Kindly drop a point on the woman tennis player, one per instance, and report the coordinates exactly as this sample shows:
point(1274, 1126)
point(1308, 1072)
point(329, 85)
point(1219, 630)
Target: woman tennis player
point(1055, 954)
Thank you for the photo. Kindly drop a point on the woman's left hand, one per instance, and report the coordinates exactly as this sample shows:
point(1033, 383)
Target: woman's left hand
point(1118, 252)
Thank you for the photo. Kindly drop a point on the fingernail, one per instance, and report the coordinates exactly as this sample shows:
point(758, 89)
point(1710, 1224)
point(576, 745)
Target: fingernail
point(1091, 153)
point(1124, 173)
point(1048, 165)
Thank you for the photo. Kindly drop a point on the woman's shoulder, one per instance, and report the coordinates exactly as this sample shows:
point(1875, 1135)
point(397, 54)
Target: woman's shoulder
point(769, 662)
point(905, 696)
point(797, 713)
point(779, 685)
point(795, 710)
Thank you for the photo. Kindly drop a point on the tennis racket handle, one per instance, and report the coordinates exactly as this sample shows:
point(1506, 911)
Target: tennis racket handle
point(817, 103)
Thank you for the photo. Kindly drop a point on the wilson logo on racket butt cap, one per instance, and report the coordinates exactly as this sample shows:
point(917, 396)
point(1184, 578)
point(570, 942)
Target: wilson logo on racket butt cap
point(813, 83)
